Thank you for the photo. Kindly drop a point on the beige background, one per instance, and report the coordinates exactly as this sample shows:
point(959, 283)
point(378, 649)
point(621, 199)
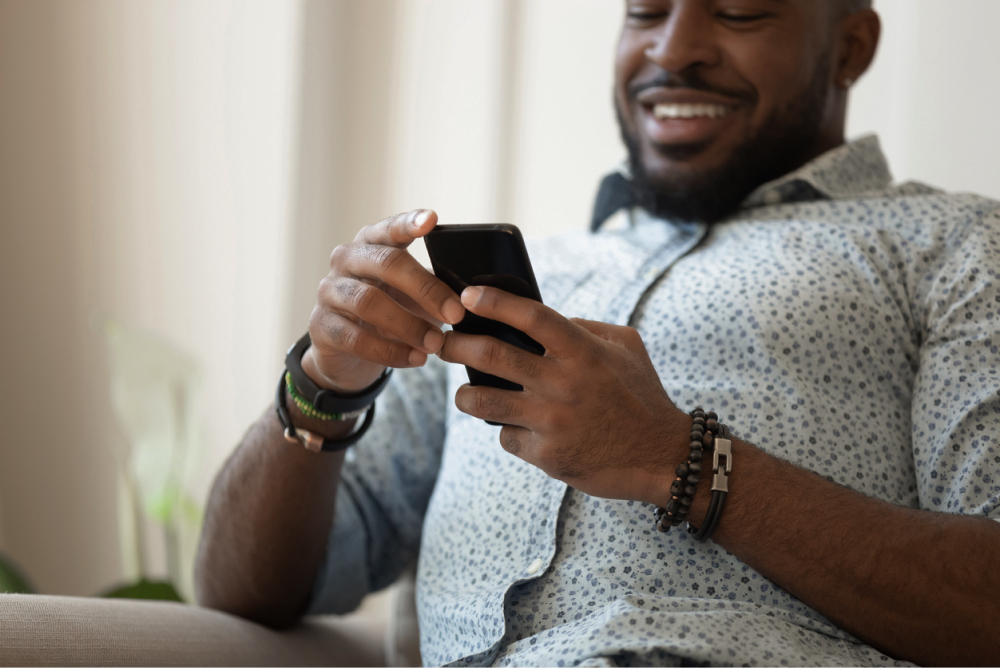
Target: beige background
point(188, 165)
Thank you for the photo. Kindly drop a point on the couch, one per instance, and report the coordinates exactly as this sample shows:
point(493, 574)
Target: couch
point(41, 630)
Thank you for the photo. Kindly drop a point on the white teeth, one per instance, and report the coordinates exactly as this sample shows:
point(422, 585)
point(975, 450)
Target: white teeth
point(661, 111)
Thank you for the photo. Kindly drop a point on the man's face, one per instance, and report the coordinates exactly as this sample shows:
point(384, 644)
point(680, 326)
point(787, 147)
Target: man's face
point(716, 97)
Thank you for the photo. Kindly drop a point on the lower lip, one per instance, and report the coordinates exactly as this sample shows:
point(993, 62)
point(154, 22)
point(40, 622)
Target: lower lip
point(682, 130)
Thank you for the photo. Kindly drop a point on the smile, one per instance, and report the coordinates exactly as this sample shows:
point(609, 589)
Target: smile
point(665, 110)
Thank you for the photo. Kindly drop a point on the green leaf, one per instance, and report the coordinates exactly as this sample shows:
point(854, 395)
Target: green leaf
point(12, 580)
point(145, 589)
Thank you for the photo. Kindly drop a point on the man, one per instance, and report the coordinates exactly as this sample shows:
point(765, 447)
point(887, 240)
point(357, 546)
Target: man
point(840, 326)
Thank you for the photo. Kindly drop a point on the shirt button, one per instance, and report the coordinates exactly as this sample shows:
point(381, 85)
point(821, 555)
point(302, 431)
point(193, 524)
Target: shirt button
point(534, 566)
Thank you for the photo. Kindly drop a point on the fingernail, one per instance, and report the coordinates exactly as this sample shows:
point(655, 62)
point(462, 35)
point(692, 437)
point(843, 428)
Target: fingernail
point(421, 218)
point(471, 295)
point(453, 312)
point(417, 358)
point(433, 340)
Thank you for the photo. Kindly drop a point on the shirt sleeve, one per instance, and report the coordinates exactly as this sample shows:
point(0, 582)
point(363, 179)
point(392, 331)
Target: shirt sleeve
point(386, 484)
point(956, 400)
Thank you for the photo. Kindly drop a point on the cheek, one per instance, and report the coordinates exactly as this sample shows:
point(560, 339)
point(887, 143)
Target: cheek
point(779, 70)
point(629, 61)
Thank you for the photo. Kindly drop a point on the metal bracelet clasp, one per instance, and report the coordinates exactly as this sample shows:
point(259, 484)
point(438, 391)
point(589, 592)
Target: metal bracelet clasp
point(723, 448)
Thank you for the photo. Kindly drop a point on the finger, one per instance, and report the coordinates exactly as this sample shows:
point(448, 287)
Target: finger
point(333, 333)
point(489, 403)
point(395, 267)
point(515, 440)
point(491, 355)
point(538, 321)
point(411, 306)
point(375, 307)
point(626, 337)
point(400, 230)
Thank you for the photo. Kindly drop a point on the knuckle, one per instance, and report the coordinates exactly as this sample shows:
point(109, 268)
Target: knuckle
point(527, 364)
point(387, 259)
point(360, 296)
point(325, 288)
point(415, 329)
point(510, 442)
point(534, 316)
point(488, 404)
point(426, 288)
point(316, 324)
point(481, 403)
point(349, 337)
point(369, 231)
point(339, 255)
point(382, 350)
point(490, 352)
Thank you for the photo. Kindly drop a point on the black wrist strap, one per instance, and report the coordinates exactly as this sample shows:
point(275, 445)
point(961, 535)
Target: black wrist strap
point(309, 440)
point(328, 401)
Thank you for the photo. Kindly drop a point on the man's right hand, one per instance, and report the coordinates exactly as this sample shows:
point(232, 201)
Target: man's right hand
point(378, 307)
point(272, 506)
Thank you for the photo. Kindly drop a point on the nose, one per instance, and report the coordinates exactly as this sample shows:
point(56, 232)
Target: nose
point(686, 39)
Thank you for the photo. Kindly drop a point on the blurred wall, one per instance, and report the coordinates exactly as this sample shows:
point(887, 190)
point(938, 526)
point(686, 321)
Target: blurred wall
point(190, 164)
point(145, 171)
point(933, 93)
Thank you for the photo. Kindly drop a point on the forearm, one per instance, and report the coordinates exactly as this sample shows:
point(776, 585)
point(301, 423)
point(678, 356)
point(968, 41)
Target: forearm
point(266, 525)
point(918, 585)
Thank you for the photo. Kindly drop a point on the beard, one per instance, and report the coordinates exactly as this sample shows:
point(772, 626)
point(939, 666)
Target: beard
point(785, 142)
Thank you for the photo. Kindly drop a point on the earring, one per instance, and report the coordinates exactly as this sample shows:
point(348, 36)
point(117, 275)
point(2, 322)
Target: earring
point(848, 82)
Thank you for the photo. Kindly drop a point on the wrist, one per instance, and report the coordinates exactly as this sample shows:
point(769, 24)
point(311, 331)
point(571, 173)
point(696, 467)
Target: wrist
point(311, 369)
point(709, 451)
point(322, 406)
point(330, 429)
point(675, 450)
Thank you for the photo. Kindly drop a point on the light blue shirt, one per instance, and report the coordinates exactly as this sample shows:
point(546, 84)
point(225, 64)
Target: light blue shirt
point(836, 321)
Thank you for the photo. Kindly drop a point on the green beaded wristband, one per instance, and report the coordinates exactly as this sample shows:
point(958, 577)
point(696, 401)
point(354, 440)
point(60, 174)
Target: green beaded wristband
point(310, 411)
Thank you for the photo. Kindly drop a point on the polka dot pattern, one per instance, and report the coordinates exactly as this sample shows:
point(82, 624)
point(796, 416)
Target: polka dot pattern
point(836, 321)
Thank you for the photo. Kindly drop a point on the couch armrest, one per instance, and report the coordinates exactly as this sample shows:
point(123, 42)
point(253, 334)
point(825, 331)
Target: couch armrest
point(62, 630)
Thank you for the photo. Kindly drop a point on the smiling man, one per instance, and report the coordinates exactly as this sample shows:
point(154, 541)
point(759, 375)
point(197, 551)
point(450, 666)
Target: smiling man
point(836, 501)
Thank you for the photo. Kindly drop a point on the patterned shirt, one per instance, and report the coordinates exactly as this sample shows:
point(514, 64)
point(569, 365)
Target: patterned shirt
point(836, 321)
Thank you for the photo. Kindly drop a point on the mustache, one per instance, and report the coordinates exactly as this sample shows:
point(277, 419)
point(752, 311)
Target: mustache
point(691, 80)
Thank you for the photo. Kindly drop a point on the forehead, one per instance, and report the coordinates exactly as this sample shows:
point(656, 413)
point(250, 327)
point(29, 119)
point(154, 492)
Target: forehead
point(812, 16)
point(833, 7)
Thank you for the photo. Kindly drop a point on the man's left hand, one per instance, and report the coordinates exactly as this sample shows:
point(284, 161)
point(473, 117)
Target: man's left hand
point(593, 412)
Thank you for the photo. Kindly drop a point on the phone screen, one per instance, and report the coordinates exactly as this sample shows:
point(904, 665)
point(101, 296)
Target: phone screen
point(492, 255)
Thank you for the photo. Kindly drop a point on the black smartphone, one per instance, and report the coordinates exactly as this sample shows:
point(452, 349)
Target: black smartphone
point(492, 255)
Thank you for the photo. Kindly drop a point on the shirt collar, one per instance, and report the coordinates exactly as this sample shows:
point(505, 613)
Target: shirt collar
point(855, 169)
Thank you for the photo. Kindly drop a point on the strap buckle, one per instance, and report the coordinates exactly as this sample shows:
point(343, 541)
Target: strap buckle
point(309, 440)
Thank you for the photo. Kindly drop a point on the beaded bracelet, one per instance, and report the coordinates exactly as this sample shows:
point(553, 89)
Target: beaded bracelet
point(704, 427)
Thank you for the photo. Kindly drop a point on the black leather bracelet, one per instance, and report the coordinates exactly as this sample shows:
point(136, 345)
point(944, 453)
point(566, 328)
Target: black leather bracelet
point(720, 484)
point(312, 441)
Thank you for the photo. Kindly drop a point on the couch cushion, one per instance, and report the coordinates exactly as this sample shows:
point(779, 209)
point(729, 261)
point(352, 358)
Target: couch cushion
point(61, 630)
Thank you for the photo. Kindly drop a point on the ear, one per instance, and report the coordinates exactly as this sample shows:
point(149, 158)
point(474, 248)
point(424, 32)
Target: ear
point(858, 39)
